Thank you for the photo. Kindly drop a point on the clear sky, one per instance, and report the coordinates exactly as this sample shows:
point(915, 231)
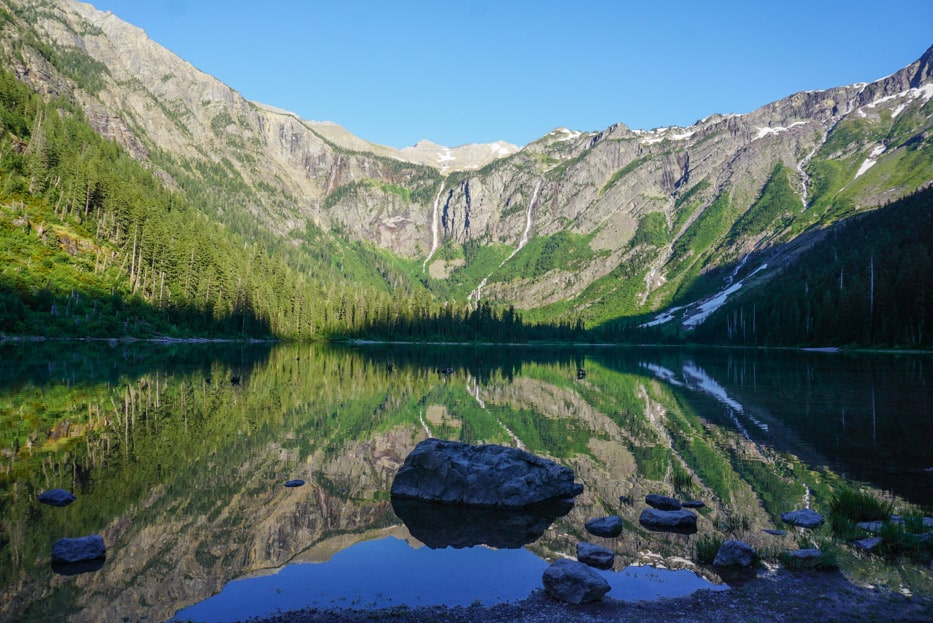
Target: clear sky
point(456, 72)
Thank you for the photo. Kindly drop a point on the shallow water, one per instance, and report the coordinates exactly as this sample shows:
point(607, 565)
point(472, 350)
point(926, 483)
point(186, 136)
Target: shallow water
point(182, 471)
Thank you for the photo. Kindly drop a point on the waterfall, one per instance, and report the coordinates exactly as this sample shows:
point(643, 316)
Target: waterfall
point(524, 239)
point(475, 294)
point(435, 229)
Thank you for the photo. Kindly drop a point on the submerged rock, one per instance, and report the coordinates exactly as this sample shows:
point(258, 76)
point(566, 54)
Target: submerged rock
point(803, 518)
point(574, 582)
point(595, 555)
point(487, 476)
point(733, 553)
point(663, 502)
point(81, 549)
point(609, 527)
point(682, 521)
point(57, 497)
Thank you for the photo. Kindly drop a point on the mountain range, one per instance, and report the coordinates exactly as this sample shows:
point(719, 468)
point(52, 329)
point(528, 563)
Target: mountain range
point(653, 227)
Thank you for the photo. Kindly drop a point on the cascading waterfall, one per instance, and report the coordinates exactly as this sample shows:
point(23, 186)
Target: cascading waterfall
point(475, 295)
point(435, 229)
point(524, 239)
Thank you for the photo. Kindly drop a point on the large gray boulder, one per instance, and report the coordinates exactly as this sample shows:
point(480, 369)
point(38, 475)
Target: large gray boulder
point(803, 518)
point(733, 553)
point(81, 549)
point(574, 582)
point(682, 521)
point(486, 476)
point(609, 527)
point(595, 555)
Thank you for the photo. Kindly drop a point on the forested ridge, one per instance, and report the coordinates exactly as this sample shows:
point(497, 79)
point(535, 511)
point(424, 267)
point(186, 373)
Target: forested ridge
point(867, 282)
point(94, 245)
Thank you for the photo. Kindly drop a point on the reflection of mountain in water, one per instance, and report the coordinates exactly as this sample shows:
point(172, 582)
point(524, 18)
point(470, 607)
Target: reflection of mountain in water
point(183, 477)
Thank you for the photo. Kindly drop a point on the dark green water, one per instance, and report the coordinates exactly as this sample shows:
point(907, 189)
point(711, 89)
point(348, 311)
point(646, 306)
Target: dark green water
point(181, 470)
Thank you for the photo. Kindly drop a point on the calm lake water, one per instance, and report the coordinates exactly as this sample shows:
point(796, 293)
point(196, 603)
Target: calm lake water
point(178, 455)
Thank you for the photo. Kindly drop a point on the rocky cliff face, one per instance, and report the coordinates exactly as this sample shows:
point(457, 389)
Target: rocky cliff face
point(840, 150)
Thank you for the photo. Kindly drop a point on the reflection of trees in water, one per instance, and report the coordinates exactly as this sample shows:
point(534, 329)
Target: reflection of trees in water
point(182, 471)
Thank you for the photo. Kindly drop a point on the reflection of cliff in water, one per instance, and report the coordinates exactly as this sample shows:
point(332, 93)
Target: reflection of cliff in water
point(183, 477)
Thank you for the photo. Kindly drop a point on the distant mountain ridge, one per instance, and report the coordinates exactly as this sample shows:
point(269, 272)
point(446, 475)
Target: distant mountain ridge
point(585, 225)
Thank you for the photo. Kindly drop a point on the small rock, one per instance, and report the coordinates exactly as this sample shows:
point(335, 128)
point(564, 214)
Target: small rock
point(803, 518)
point(294, 483)
point(574, 582)
point(683, 522)
point(623, 499)
point(57, 497)
point(662, 502)
point(595, 555)
point(65, 551)
point(774, 532)
point(733, 553)
point(609, 527)
point(870, 526)
point(868, 544)
point(693, 504)
point(809, 554)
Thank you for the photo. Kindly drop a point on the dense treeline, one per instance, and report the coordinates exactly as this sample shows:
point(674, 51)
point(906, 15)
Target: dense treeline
point(93, 244)
point(868, 282)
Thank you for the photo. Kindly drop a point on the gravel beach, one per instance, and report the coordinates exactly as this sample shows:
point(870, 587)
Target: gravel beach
point(778, 597)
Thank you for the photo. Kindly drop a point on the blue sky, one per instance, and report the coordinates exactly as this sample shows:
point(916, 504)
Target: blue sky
point(393, 72)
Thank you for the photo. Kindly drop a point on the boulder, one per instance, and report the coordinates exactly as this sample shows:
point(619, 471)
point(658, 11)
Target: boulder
point(693, 504)
point(294, 483)
point(57, 497)
point(609, 527)
point(662, 502)
point(574, 582)
point(682, 521)
point(803, 518)
point(595, 555)
point(81, 549)
point(486, 476)
point(733, 553)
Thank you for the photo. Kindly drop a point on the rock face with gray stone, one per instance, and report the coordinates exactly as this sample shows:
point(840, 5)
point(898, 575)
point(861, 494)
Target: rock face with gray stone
point(574, 582)
point(595, 555)
point(81, 549)
point(57, 497)
point(662, 502)
point(733, 553)
point(487, 476)
point(682, 521)
point(608, 527)
point(803, 518)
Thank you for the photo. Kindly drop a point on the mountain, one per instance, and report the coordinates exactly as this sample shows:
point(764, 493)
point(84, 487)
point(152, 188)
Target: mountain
point(591, 226)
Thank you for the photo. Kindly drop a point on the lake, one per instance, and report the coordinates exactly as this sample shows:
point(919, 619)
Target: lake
point(178, 454)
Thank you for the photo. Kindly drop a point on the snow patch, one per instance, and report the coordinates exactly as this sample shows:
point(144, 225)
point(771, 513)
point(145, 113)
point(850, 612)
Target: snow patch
point(871, 160)
point(763, 132)
point(663, 134)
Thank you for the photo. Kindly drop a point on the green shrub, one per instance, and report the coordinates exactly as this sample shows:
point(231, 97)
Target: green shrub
point(707, 547)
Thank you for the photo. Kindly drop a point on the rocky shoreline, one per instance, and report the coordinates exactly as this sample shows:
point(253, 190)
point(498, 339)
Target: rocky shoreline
point(772, 597)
